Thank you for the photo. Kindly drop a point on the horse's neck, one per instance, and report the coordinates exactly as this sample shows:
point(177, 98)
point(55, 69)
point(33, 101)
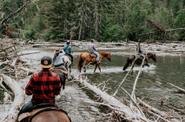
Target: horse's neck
point(149, 55)
point(103, 56)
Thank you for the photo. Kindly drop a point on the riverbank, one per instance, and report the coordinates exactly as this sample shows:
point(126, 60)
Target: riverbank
point(73, 98)
point(161, 49)
point(127, 48)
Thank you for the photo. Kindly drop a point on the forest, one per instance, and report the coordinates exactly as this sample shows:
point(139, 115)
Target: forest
point(103, 20)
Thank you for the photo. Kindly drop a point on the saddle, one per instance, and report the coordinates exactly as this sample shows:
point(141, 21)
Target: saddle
point(92, 55)
point(68, 56)
point(27, 116)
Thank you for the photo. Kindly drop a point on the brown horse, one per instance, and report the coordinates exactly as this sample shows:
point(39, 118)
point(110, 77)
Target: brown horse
point(86, 59)
point(138, 60)
point(46, 115)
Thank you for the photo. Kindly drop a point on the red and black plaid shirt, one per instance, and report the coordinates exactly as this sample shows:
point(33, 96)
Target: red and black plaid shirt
point(43, 86)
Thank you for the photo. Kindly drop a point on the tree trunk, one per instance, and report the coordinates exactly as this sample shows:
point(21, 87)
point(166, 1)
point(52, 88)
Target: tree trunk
point(97, 20)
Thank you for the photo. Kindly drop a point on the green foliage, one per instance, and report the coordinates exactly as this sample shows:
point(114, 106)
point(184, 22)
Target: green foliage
point(179, 20)
point(29, 34)
point(136, 16)
point(113, 32)
point(180, 23)
point(163, 16)
point(104, 20)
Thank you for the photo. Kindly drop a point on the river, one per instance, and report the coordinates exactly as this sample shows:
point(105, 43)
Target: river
point(152, 86)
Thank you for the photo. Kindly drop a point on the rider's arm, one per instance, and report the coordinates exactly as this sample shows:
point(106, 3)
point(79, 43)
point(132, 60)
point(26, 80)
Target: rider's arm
point(29, 87)
point(54, 57)
point(65, 47)
point(70, 50)
point(94, 47)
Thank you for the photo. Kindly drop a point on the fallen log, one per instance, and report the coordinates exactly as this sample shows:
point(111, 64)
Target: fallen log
point(18, 99)
point(28, 71)
point(135, 82)
point(177, 87)
point(130, 114)
point(47, 45)
point(22, 54)
point(162, 114)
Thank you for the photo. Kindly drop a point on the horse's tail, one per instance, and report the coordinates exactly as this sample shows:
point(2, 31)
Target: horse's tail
point(80, 63)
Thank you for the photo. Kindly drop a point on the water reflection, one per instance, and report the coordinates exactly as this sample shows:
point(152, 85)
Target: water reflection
point(151, 86)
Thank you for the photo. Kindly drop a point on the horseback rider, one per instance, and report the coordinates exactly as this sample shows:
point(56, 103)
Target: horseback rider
point(92, 50)
point(43, 86)
point(59, 63)
point(67, 50)
point(58, 58)
point(140, 53)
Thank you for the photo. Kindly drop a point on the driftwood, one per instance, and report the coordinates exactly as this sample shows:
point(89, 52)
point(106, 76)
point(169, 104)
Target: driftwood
point(156, 25)
point(162, 114)
point(18, 99)
point(130, 114)
point(123, 80)
point(135, 82)
point(22, 54)
point(177, 87)
point(7, 50)
point(133, 100)
point(28, 71)
point(47, 45)
point(175, 29)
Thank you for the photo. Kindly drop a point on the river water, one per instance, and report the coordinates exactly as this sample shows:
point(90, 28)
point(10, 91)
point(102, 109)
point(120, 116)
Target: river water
point(152, 85)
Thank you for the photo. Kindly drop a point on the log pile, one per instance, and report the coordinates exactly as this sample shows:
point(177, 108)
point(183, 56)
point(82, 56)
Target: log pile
point(7, 50)
point(12, 69)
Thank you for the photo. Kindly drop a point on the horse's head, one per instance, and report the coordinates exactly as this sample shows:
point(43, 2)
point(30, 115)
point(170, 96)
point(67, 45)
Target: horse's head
point(105, 55)
point(152, 56)
point(109, 57)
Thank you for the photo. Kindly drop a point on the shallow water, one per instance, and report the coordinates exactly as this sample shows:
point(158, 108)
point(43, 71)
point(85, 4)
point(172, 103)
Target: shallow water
point(152, 85)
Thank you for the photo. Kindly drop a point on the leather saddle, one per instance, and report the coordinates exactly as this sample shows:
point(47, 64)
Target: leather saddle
point(27, 116)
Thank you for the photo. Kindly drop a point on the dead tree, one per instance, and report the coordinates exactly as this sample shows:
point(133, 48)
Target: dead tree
point(158, 29)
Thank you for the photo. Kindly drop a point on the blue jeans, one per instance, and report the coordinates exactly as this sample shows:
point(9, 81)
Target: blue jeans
point(97, 55)
point(28, 107)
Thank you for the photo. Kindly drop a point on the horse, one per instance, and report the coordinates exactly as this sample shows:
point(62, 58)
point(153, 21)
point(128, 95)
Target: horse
point(62, 63)
point(47, 114)
point(86, 59)
point(138, 60)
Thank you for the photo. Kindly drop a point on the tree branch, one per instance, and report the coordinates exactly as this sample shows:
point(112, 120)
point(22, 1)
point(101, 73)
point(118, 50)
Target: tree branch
point(15, 12)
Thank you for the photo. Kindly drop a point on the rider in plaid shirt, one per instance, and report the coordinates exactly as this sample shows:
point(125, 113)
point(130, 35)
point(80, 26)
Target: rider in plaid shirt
point(43, 86)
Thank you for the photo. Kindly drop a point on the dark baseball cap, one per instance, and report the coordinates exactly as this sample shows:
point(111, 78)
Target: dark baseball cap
point(46, 62)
